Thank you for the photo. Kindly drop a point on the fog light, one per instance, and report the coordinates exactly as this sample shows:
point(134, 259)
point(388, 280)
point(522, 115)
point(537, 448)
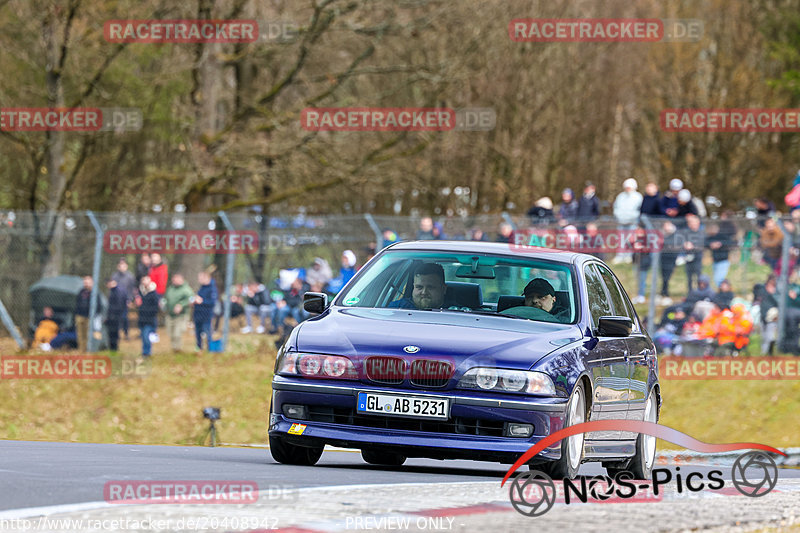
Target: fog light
point(295, 411)
point(519, 430)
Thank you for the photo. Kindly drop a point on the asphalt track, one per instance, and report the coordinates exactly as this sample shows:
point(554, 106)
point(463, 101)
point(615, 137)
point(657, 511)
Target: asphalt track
point(341, 493)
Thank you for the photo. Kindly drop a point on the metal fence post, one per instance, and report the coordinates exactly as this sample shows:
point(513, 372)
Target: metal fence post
point(510, 221)
point(10, 326)
point(376, 230)
point(98, 257)
point(230, 260)
point(655, 265)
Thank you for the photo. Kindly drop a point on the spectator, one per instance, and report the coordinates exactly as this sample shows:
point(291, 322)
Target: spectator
point(724, 297)
point(720, 239)
point(117, 306)
point(792, 320)
point(237, 306)
point(143, 268)
point(257, 301)
point(320, 272)
point(477, 234)
point(292, 305)
point(627, 207)
point(766, 298)
point(177, 299)
point(159, 274)
point(771, 243)
point(438, 231)
point(541, 214)
point(82, 309)
point(685, 204)
point(46, 329)
point(669, 255)
point(592, 232)
point(669, 202)
point(693, 247)
point(204, 302)
point(703, 293)
point(148, 314)
point(505, 233)
point(346, 272)
point(389, 237)
point(764, 208)
point(588, 205)
point(568, 209)
point(425, 232)
point(127, 283)
point(651, 201)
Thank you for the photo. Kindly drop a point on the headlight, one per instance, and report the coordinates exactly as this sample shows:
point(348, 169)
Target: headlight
point(314, 365)
point(485, 378)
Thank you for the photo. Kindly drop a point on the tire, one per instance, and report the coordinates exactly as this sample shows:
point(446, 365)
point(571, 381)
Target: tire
point(572, 448)
point(374, 457)
point(640, 466)
point(289, 454)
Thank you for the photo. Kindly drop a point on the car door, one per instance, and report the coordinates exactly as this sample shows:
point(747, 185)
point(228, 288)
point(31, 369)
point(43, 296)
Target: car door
point(640, 358)
point(611, 375)
point(636, 379)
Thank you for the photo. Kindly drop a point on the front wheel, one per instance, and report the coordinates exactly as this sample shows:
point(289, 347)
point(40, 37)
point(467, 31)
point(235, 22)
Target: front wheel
point(289, 454)
point(572, 449)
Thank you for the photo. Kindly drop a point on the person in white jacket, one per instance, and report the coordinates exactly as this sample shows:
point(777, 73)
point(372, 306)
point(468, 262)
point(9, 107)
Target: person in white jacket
point(627, 207)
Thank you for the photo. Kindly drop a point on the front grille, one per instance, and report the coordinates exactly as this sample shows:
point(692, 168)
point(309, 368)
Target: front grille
point(387, 370)
point(431, 373)
point(458, 425)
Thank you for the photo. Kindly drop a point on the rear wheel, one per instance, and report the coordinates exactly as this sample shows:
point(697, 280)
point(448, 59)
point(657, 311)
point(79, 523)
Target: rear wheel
point(572, 449)
point(374, 457)
point(289, 454)
point(640, 466)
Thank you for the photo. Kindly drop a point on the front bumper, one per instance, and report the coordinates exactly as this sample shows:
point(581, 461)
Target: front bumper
point(471, 431)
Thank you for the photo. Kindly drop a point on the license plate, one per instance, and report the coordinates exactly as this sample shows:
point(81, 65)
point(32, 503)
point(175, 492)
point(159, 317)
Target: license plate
point(403, 405)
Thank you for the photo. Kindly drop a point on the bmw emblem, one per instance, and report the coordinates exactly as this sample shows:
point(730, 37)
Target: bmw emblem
point(411, 349)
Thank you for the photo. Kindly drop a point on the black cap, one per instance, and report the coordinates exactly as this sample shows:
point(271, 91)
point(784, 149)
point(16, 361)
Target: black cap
point(539, 287)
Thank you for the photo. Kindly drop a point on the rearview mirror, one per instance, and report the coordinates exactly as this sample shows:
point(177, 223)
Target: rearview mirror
point(315, 302)
point(614, 326)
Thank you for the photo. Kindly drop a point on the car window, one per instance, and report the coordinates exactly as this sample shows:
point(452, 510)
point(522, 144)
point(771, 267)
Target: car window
point(615, 297)
point(599, 304)
point(630, 312)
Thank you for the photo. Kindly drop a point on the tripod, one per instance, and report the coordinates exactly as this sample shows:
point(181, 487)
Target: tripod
point(212, 430)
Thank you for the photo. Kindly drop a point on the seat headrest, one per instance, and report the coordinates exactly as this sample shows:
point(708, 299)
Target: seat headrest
point(507, 302)
point(463, 295)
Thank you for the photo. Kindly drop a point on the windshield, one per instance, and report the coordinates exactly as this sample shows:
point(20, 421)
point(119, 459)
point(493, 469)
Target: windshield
point(515, 288)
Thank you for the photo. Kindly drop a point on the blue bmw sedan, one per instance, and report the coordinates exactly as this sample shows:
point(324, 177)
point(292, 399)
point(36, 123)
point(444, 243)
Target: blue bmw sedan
point(468, 350)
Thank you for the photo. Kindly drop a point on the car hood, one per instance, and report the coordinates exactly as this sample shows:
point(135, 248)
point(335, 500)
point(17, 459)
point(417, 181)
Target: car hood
point(481, 339)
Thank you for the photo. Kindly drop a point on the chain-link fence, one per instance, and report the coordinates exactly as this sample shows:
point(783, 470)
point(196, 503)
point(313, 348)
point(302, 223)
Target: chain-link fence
point(45, 256)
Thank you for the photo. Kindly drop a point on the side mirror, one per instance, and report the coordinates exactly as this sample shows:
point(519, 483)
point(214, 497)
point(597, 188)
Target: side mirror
point(315, 302)
point(614, 326)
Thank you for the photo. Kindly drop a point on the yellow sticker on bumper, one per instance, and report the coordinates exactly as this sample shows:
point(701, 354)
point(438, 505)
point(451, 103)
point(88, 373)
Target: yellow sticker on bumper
point(297, 429)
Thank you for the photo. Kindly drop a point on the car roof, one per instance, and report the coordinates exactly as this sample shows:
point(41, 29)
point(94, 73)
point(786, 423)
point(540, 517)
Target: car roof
point(496, 248)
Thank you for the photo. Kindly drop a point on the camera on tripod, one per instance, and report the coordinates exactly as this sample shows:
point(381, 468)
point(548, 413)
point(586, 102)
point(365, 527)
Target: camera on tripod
point(212, 413)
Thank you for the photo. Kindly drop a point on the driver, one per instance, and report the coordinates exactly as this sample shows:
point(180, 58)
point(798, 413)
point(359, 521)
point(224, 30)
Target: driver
point(428, 289)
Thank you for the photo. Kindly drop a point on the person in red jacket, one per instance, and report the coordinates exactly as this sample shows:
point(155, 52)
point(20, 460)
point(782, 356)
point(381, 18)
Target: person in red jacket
point(159, 274)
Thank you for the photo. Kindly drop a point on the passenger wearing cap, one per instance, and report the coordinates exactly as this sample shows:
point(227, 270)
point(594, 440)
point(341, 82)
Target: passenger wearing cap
point(540, 303)
point(669, 203)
